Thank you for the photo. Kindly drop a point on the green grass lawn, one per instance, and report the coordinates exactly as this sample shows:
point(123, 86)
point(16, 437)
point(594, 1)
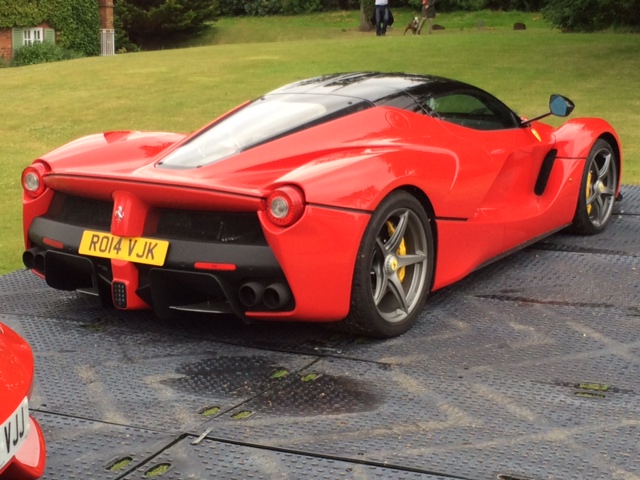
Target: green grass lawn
point(343, 24)
point(44, 106)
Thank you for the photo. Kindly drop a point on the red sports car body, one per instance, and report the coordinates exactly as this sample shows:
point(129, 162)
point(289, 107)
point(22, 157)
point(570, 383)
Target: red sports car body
point(346, 197)
point(22, 448)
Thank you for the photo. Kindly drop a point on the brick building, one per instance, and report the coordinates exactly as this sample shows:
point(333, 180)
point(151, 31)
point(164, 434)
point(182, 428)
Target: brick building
point(14, 38)
point(107, 33)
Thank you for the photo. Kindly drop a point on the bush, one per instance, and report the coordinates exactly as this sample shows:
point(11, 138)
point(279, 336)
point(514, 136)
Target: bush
point(154, 24)
point(452, 5)
point(475, 5)
point(231, 8)
point(342, 5)
point(520, 5)
point(259, 8)
point(41, 52)
point(123, 44)
point(593, 15)
point(298, 7)
point(236, 8)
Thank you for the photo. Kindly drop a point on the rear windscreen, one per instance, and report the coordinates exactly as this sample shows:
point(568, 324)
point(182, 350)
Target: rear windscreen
point(262, 120)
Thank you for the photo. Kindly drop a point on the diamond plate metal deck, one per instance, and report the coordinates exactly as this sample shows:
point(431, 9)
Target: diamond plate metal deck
point(528, 369)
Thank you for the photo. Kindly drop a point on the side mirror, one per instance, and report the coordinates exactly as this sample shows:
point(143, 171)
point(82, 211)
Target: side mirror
point(560, 106)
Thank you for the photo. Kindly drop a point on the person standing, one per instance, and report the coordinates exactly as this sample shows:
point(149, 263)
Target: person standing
point(428, 14)
point(382, 17)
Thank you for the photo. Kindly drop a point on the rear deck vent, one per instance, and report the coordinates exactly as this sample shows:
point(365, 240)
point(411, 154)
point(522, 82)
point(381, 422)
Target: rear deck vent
point(239, 228)
point(81, 212)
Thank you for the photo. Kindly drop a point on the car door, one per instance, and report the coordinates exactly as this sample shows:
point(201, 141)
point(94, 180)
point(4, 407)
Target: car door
point(491, 141)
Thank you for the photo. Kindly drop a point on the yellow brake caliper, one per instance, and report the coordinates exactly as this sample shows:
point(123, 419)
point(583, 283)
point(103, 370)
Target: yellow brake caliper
point(589, 176)
point(402, 249)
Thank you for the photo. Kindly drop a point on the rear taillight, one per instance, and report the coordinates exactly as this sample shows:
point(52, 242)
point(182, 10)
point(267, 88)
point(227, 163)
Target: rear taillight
point(285, 205)
point(33, 179)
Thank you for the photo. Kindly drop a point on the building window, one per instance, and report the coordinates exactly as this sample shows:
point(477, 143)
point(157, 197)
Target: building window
point(24, 37)
point(31, 36)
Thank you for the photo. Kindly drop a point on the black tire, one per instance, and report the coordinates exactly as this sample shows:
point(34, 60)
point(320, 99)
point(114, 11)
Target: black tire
point(597, 190)
point(394, 269)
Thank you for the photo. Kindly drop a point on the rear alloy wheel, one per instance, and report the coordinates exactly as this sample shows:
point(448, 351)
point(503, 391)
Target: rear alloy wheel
point(597, 190)
point(394, 269)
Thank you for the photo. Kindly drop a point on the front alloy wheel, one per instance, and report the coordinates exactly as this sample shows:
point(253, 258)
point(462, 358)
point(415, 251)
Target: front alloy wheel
point(394, 269)
point(598, 190)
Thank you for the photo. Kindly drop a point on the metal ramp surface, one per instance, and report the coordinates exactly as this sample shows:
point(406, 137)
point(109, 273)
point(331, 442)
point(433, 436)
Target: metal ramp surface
point(529, 369)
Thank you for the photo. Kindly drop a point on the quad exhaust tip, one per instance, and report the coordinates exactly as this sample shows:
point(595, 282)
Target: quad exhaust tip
point(33, 259)
point(273, 296)
point(250, 294)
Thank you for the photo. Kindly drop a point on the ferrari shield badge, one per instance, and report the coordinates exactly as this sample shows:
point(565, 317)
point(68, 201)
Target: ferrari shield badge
point(119, 213)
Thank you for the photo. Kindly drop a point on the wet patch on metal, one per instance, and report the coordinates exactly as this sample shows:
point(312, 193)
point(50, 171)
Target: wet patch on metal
point(278, 390)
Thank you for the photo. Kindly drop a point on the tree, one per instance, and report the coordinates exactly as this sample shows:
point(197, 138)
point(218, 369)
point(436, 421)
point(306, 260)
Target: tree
point(153, 23)
point(592, 15)
point(366, 10)
point(521, 5)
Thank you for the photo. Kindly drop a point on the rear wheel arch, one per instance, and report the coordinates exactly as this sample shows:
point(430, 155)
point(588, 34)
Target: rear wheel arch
point(424, 200)
point(394, 268)
point(427, 206)
point(611, 140)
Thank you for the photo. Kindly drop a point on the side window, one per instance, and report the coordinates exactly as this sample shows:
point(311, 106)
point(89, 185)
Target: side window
point(472, 110)
point(401, 100)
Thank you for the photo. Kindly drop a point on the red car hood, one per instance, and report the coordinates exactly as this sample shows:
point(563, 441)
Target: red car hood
point(16, 370)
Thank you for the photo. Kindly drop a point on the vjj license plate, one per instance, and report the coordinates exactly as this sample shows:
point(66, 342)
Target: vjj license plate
point(132, 249)
point(14, 432)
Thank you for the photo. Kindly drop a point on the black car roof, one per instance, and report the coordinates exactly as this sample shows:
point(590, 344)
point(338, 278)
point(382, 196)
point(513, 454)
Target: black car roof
point(372, 86)
point(309, 103)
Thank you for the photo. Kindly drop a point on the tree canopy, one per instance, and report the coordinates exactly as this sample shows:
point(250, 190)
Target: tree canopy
point(573, 15)
point(592, 15)
point(149, 23)
point(153, 23)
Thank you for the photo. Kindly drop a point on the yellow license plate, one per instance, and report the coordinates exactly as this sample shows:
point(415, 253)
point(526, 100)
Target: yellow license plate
point(132, 249)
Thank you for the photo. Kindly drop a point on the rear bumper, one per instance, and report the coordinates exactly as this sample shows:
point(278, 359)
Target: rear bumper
point(302, 273)
point(196, 276)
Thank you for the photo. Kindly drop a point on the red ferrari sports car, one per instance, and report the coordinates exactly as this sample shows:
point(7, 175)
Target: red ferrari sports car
point(22, 448)
point(342, 198)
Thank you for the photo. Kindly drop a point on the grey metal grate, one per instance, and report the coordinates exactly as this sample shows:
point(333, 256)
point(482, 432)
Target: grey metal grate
point(526, 369)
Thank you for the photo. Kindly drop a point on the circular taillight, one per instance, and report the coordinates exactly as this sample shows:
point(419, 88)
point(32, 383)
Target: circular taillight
point(285, 205)
point(33, 179)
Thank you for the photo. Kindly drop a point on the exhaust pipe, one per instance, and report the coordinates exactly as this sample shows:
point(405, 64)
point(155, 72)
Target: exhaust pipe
point(39, 261)
point(250, 294)
point(276, 296)
point(29, 258)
